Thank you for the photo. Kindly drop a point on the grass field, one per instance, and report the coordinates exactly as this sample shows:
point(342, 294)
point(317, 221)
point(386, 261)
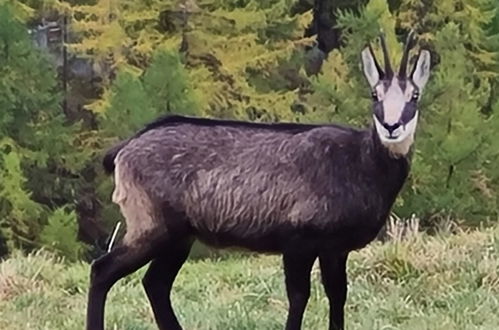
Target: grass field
point(443, 282)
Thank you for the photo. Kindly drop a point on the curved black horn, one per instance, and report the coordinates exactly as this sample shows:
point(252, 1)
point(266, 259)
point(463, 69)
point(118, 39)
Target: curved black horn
point(388, 66)
point(405, 57)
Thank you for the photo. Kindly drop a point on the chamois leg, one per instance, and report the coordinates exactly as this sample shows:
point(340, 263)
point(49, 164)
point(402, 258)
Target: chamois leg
point(106, 271)
point(158, 282)
point(297, 268)
point(334, 279)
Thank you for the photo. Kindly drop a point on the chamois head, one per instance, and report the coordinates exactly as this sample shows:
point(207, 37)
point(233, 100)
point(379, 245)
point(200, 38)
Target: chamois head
point(395, 95)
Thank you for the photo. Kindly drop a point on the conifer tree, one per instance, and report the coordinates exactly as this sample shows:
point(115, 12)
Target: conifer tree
point(38, 158)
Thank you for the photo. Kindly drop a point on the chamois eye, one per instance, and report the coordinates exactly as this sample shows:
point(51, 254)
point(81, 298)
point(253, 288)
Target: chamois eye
point(415, 96)
point(374, 95)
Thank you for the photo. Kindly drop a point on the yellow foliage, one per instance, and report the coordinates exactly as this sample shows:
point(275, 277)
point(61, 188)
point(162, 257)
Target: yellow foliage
point(304, 20)
point(242, 20)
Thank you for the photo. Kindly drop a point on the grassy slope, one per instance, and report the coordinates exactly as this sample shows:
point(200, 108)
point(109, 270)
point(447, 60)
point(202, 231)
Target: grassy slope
point(425, 283)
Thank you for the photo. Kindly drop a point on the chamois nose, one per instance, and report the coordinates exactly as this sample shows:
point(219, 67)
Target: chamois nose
point(391, 128)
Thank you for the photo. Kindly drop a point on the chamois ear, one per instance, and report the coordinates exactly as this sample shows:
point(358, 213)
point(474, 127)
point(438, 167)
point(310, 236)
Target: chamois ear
point(370, 67)
point(421, 71)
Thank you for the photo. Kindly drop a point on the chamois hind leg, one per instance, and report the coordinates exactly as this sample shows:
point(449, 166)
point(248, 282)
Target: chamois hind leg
point(108, 269)
point(334, 279)
point(158, 282)
point(297, 268)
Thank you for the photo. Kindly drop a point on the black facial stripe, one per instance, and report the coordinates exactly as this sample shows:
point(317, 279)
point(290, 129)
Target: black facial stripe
point(386, 84)
point(415, 88)
point(408, 113)
point(402, 84)
point(378, 111)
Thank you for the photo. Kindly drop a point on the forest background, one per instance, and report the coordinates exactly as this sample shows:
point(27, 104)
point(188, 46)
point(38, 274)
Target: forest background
point(78, 75)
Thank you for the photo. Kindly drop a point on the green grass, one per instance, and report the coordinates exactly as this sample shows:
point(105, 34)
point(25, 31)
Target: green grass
point(447, 282)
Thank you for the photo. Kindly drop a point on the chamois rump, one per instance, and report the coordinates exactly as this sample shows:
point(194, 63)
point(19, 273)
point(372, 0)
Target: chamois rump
point(303, 191)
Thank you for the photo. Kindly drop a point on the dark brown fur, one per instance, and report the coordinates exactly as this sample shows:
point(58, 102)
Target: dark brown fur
point(253, 186)
point(305, 191)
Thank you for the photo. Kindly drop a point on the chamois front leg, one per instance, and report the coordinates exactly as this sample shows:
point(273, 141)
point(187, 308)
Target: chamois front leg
point(334, 279)
point(297, 268)
point(158, 282)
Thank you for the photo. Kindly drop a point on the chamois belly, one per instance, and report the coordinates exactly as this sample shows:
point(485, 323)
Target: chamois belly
point(268, 242)
point(275, 238)
point(273, 233)
point(357, 232)
point(353, 238)
point(265, 212)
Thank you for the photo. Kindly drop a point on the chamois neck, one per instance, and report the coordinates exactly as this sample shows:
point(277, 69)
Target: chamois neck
point(396, 151)
point(379, 156)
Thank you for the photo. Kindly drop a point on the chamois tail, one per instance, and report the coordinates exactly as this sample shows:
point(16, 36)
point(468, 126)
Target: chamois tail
point(110, 156)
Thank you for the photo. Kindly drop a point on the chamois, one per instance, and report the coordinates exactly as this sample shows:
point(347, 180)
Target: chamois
point(303, 191)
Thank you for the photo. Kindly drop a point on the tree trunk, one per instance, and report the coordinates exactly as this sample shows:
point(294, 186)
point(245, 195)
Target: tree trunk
point(324, 26)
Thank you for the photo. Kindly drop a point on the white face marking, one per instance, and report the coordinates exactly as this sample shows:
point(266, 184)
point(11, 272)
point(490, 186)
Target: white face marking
point(400, 142)
point(394, 100)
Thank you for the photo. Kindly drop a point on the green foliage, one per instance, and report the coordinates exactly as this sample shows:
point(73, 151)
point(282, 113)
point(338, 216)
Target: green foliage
point(19, 212)
point(167, 84)
point(128, 105)
point(38, 148)
point(457, 131)
point(134, 99)
point(60, 234)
